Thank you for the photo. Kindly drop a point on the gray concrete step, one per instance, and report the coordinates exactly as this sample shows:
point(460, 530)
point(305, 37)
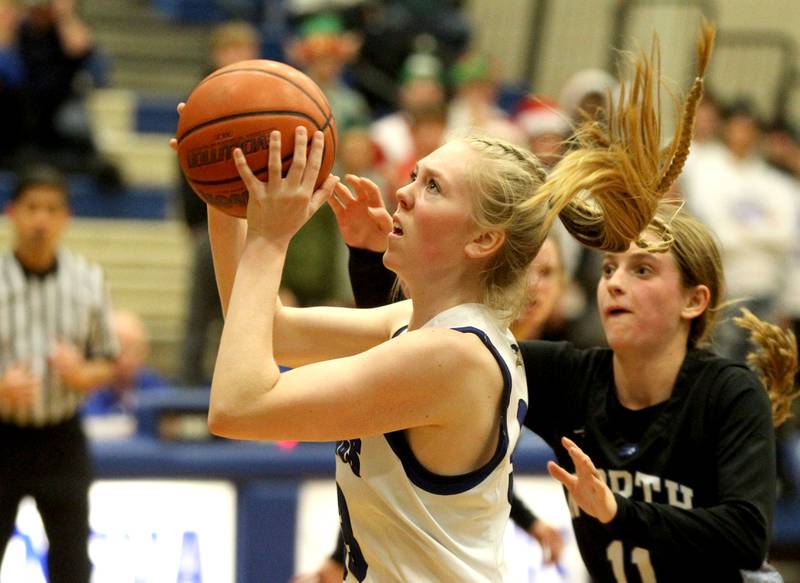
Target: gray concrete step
point(147, 52)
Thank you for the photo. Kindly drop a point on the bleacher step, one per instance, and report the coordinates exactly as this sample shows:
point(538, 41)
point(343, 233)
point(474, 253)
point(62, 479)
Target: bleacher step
point(147, 52)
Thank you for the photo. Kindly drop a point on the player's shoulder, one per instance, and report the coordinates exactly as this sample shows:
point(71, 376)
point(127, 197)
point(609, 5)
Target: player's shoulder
point(443, 345)
point(465, 339)
point(548, 353)
point(719, 376)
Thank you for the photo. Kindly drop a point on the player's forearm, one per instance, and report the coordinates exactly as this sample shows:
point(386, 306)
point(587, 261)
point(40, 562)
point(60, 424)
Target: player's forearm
point(246, 369)
point(370, 280)
point(76, 39)
point(521, 515)
point(227, 235)
point(733, 533)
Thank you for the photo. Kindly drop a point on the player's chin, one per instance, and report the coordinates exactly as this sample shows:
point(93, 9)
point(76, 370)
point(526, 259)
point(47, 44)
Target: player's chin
point(392, 257)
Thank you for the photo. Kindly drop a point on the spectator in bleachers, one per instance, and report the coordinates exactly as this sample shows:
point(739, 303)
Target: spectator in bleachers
point(11, 78)
point(427, 127)
point(358, 155)
point(390, 29)
point(546, 127)
point(782, 148)
point(474, 104)
point(315, 266)
point(707, 140)
point(547, 281)
point(56, 346)
point(584, 96)
point(322, 48)
point(56, 49)
point(421, 87)
point(131, 372)
point(752, 209)
point(230, 42)
point(707, 126)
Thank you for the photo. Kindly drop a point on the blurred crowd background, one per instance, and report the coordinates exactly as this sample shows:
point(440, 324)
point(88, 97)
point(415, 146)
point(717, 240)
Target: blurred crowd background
point(91, 87)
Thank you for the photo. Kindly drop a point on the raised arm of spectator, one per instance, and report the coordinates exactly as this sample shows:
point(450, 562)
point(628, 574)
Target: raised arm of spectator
point(76, 37)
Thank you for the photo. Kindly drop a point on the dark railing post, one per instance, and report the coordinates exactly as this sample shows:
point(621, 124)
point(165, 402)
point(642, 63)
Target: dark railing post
point(540, 17)
point(622, 13)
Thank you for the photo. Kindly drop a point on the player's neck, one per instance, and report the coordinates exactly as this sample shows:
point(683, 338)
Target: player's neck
point(441, 293)
point(643, 381)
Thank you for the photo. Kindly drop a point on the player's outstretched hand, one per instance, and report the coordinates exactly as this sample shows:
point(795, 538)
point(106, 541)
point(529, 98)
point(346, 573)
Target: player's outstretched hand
point(549, 538)
point(362, 218)
point(586, 487)
point(278, 207)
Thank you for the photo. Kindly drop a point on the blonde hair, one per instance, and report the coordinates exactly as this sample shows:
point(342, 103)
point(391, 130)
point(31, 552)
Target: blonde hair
point(503, 181)
point(775, 362)
point(606, 191)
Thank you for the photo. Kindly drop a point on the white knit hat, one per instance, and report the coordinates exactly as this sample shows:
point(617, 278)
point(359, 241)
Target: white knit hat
point(584, 83)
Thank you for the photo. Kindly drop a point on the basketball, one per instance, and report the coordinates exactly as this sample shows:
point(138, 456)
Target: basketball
point(238, 106)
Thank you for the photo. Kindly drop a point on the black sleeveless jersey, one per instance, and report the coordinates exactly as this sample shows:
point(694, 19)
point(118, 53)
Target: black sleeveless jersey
point(694, 477)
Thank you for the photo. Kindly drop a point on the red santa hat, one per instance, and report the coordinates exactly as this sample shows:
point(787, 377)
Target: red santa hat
point(537, 115)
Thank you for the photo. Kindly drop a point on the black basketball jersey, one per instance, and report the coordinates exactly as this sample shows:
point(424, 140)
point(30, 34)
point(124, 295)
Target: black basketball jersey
point(694, 477)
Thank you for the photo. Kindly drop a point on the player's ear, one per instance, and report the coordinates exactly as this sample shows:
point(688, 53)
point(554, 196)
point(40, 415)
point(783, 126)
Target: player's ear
point(485, 244)
point(697, 299)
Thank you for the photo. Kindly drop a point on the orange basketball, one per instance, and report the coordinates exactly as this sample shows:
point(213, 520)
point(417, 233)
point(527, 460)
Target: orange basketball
point(238, 106)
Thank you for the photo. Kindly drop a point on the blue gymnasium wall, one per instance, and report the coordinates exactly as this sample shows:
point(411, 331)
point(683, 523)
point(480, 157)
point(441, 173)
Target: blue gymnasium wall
point(267, 479)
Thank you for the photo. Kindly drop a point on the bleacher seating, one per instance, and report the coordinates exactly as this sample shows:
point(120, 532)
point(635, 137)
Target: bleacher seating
point(197, 11)
point(89, 198)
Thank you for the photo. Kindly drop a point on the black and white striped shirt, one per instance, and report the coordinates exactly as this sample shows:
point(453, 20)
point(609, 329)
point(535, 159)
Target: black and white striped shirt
point(69, 303)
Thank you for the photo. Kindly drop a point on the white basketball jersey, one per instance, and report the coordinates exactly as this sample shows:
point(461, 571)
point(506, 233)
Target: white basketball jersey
point(402, 522)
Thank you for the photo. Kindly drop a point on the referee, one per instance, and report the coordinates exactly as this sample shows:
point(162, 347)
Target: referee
point(56, 345)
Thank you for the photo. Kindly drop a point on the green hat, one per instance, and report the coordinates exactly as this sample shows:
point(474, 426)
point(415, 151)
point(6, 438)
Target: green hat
point(421, 65)
point(469, 68)
point(321, 25)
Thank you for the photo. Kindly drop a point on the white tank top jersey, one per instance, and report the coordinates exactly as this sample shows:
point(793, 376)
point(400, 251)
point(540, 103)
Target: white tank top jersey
point(401, 522)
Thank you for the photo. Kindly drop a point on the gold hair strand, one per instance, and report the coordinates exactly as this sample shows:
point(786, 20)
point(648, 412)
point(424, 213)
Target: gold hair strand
point(775, 361)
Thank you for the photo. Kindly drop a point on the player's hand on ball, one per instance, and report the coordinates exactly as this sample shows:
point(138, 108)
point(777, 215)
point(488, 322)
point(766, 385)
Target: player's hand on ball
point(362, 218)
point(586, 486)
point(173, 142)
point(278, 207)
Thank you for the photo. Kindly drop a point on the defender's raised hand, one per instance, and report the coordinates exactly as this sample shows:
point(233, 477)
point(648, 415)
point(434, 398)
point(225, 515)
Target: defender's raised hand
point(362, 218)
point(586, 486)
